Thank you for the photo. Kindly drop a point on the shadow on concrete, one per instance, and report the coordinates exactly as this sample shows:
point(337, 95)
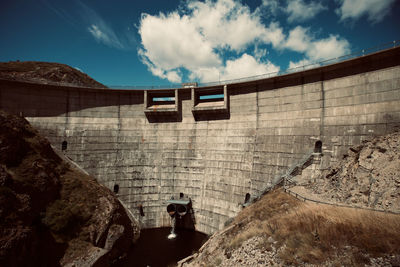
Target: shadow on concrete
point(42, 100)
point(165, 117)
point(210, 116)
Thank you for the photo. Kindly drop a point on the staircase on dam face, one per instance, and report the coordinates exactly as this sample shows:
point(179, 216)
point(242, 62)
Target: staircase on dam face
point(304, 171)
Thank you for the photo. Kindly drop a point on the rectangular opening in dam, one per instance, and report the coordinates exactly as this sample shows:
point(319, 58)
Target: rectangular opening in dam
point(214, 96)
point(210, 101)
point(165, 101)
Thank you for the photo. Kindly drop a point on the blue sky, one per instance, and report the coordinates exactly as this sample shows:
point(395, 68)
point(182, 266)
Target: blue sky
point(161, 42)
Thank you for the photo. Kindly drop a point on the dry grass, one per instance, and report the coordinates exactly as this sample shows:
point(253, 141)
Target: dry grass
point(314, 233)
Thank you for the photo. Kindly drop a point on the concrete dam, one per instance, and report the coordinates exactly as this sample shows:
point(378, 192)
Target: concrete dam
point(216, 145)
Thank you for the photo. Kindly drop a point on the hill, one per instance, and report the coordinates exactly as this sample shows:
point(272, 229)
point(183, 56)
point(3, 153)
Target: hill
point(45, 72)
point(51, 213)
point(280, 229)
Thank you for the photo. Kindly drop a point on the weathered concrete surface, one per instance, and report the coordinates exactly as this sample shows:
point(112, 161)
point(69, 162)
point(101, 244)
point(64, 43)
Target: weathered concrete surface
point(218, 158)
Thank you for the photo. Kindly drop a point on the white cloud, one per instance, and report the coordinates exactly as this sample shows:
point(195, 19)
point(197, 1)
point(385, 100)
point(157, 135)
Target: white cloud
point(259, 53)
point(196, 40)
point(172, 41)
point(327, 48)
point(271, 6)
point(299, 10)
point(205, 74)
point(198, 37)
point(171, 75)
point(81, 16)
point(273, 34)
point(295, 10)
point(246, 66)
point(102, 32)
point(105, 35)
point(375, 10)
point(228, 23)
point(301, 40)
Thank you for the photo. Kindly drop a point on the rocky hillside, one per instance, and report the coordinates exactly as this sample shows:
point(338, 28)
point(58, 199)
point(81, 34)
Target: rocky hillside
point(52, 214)
point(280, 230)
point(45, 72)
point(368, 176)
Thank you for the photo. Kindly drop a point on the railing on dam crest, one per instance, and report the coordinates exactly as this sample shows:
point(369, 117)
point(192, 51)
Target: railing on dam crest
point(352, 55)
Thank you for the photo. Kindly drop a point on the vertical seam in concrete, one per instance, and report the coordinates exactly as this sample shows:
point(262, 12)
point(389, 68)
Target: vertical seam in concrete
point(118, 137)
point(66, 115)
point(254, 142)
point(322, 120)
point(204, 185)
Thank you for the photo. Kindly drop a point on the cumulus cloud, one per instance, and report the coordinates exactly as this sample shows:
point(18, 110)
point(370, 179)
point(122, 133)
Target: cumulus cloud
point(172, 41)
point(301, 40)
point(197, 39)
point(299, 10)
point(295, 10)
point(200, 36)
point(228, 23)
point(246, 66)
point(171, 74)
point(375, 10)
point(331, 47)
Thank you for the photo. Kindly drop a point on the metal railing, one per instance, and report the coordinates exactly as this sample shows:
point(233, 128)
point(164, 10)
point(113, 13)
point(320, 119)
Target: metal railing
point(302, 198)
point(283, 178)
point(352, 55)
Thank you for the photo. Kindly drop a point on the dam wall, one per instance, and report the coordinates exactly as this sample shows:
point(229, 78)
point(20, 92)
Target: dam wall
point(213, 153)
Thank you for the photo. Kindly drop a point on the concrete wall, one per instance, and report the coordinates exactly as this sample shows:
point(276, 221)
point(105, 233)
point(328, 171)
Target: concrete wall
point(215, 159)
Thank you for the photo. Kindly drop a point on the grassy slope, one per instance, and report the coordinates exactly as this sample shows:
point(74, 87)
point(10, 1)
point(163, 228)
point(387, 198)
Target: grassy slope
point(309, 233)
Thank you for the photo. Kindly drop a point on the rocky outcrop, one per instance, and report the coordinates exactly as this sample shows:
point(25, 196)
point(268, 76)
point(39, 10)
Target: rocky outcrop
point(45, 72)
point(367, 176)
point(51, 213)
